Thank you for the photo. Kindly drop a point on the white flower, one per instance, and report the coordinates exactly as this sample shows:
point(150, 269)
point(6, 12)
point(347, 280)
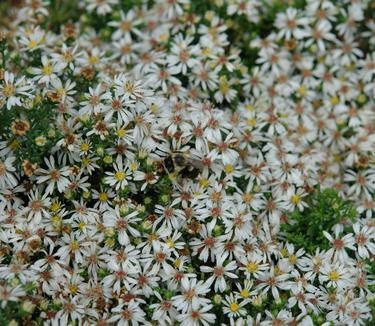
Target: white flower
point(113, 218)
point(164, 312)
point(223, 150)
point(198, 317)
point(101, 7)
point(48, 72)
point(269, 280)
point(336, 275)
point(364, 238)
point(339, 245)
point(118, 179)
point(12, 88)
point(233, 308)
point(126, 26)
point(183, 53)
point(289, 25)
point(95, 100)
point(37, 207)
point(191, 296)
point(53, 176)
point(121, 274)
point(10, 293)
point(220, 273)
point(7, 170)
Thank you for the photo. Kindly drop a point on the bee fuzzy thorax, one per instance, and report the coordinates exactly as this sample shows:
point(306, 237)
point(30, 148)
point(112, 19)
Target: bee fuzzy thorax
point(181, 166)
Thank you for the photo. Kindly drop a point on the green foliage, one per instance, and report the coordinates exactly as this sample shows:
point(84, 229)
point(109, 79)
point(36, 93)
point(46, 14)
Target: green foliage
point(370, 321)
point(326, 208)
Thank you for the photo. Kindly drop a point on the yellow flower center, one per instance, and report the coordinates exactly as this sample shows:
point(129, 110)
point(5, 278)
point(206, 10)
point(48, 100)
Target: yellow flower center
point(228, 168)
point(252, 267)
point(247, 197)
point(85, 161)
point(61, 91)
point(103, 196)
point(164, 37)
point(293, 259)
point(204, 182)
point(56, 219)
point(73, 288)
point(110, 242)
point(120, 176)
point(32, 44)
point(152, 237)
point(55, 207)
point(284, 252)
point(245, 293)
point(334, 276)
point(74, 245)
point(206, 51)
point(170, 243)
point(129, 86)
point(9, 90)
point(335, 100)
point(224, 88)
point(251, 122)
point(302, 90)
point(82, 225)
point(295, 199)
point(154, 108)
point(107, 159)
point(121, 132)
point(234, 307)
point(93, 60)
point(133, 166)
point(47, 70)
point(85, 147)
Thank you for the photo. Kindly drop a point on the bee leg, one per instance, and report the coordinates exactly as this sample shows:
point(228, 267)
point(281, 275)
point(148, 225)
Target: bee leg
point(173, 178)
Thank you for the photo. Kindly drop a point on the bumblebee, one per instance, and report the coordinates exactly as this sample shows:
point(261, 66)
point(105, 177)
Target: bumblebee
point(180, 165)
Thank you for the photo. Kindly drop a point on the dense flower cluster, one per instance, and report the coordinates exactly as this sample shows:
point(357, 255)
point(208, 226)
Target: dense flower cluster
point(266, 103)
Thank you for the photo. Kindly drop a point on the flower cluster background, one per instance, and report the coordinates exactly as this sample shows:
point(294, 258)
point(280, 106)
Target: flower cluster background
point(187, 162)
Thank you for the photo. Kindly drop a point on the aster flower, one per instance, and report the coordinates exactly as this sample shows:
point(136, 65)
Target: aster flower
point(72, 310)
point(126, 26)
point(8, 293)
point(182, 54)
point(252, 265)
point(220, 272)
point(121, 275)
point(118, 179)
point(363, 238)
point(94, 102)
point(339, 245)
point(115, 218)
point(232, 307)
point(48, 72)
point(198, 317)
point(37, 207)
point(101, 7)
point(7, 177)
point(14, 90)
point(191, 297)
point(72, 246)
point(289, 25)
point(336, 275)
point(164, 312)
point(272, 281)
point(54, 176)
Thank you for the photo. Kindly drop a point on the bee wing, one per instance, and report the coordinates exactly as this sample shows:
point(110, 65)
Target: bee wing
point(196, 163)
